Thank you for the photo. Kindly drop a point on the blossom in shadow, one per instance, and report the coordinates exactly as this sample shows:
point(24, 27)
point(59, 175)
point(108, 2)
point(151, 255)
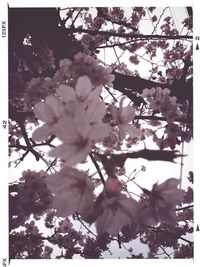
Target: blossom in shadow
point(162, 201)
point(73, 192)
point(117, 212)
point(123, 116)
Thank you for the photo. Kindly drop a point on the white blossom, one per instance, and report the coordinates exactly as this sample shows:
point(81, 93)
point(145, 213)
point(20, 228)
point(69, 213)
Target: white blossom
point(95, 114)
point(74, 131)
point(73, 192)
point(82, 93)
point(49, 112)
point(160, 99)
point(162, 203)
point(117, 212)
point(85, 64)
point(122, 116)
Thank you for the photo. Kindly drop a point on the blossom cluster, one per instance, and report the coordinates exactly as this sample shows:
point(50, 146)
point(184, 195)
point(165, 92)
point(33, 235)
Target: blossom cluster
point(31, 195)
point(168, 27)
point(86, 65)
point(37, 89)
point(166, 193)
point(75, 116)
point(179, 52)
point(123, 116)
point(113, 210)
point(76, 124)
point(160, 100)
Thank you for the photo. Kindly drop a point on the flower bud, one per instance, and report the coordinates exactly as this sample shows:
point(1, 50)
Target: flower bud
point(113, 186)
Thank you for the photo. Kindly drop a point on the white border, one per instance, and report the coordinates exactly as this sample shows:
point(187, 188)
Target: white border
point(4, 144)
point(107, 262)
point(196, 87)
point(4, 136)
point(90, 3)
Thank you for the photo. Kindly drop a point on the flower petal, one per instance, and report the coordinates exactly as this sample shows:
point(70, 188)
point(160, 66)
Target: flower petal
point(70, 153)
point(100, 130)
point(64, 206)
point(83, 87)
point(43, 112)
point(65, 129)
point(67, 93)
point(127, 112)
point(114, 112)
point(96, 112)
point(56, 105)
point(42, 133)
point(133, 131)
point(94, 96)
point(62, 151)
point(86, 203)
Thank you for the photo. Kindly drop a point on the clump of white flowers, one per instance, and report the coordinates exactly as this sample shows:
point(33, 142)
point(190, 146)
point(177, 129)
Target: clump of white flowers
point(118, 211)
point(82, 93)
point(83, 64)
point(123, 116)
point(74, 114)
point(73, 192)
point(160, 100)
point(162, 201)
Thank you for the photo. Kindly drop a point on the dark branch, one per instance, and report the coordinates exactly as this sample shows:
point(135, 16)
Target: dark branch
point(127, 35)
point(185, 208)
point(97, 168)
point(112, 161)
point(27, 141)
point(156, 118)
point(129, 85)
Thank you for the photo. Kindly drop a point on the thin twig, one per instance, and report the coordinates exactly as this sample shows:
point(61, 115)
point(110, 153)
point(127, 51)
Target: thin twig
point(165, 252)
point(184, 208)
point(77, 218)
point(108, 90)
point(97, 168)
point(74, 20)
point(159, 19)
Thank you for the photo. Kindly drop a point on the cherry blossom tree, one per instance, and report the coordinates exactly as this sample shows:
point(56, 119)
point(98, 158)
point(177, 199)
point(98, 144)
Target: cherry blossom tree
point(87, 116)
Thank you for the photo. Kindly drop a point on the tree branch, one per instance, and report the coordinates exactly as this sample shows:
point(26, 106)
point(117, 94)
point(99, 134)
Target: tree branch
point(29, 146)
point(118, 160)
point(165, 252)
point(184, 208)
point(156, 118)
point(129, 85)
point(126, 35)
point(97, 168)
